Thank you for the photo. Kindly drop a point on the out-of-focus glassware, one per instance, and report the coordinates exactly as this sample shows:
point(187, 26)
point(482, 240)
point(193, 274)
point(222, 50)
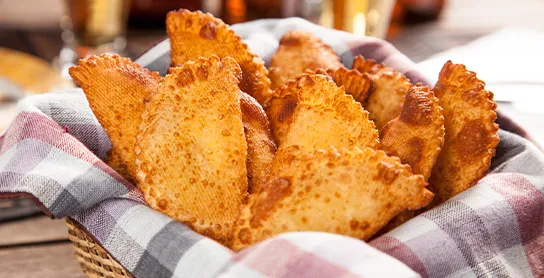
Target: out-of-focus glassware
point(92, 27)
point(236, 11)
point(361, 17)
point(417, 11)
point(151, 14)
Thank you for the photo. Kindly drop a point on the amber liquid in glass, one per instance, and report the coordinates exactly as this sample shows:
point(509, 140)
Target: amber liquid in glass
point(95, 26)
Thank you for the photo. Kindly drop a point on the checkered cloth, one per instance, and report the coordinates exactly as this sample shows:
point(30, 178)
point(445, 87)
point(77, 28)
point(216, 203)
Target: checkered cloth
point(53, 154)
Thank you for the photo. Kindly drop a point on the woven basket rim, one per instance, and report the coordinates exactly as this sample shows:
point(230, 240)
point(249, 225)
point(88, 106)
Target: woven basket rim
point(94, 260)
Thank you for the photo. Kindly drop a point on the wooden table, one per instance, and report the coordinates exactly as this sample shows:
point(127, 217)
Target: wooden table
point(38, 246)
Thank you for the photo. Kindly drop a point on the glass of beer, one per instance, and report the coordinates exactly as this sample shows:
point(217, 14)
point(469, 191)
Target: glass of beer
point(92, 27)
point(361, 17)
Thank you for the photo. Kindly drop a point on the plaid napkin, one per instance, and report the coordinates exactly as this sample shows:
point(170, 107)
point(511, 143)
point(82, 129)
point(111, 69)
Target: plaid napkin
point(53, 153)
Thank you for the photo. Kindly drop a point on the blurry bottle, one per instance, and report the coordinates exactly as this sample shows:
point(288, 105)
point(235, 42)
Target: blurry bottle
point(236, 11)
point(152, 13)
point(409, 12)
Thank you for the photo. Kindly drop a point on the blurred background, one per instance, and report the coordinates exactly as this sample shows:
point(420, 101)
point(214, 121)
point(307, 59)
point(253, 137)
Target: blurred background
point(35, 26)
point(419, 28)
point(502, 40)
point(40, 39)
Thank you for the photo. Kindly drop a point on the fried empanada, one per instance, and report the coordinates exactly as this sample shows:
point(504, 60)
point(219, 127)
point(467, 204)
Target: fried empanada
point(117, 90)
point(299, 51)
point(358, 85)
point(260, 145)
point(349, 192)
point(417, 135)
point(390, 87)
point(195, 34)
point(369, 66)
point(191, 149)
point(312, 112)
point(471, 133)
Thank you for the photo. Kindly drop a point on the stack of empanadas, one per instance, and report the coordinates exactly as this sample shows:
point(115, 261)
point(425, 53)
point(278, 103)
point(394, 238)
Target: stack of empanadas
point(347, 151)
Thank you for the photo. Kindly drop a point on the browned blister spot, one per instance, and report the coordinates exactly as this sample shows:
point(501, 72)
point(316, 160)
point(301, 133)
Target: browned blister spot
point(291, 40)
point(417, 110)
point(307, 82)
point(472, 97)
point(353, 224)
point(386, 173)
point(276, 191)
point(415, 152)
point(472, 140)
point(208, 31)
point(244, 235)
point(163, 204)
point(188, 23)
point(287, 109)
point(202, 72)
point(186, 77)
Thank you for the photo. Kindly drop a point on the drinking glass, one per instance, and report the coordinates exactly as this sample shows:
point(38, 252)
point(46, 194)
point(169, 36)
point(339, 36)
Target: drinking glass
point(92, 27)
point(361, 17)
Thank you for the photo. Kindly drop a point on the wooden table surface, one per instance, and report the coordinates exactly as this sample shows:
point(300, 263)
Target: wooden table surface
point(39, 247)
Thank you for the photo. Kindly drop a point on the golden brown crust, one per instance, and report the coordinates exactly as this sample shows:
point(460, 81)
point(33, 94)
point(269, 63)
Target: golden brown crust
point(417, 135)
point(357, 84)
point(390, 87)
point(312, 112)
point(471, 133)
point(191, 149)
point(195, 34)
point(369, 66)
point(117, 90)
point(260, 145)
point(297, 52)
point(349, 192)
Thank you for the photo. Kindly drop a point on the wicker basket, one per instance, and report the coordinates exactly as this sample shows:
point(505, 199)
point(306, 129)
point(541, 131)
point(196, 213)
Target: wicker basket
point(93, 259)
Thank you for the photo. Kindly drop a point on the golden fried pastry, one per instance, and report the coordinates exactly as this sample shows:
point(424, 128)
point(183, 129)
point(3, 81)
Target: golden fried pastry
point(471, 133)
point(312, 112)
point(349, 192)
point(297, 52)
point(390, 87)
point(117, 90)
point(358, 85)
point(260, 145)
point(191, 149)
point(369, 66)
point(194, 34)
point(417, 135)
